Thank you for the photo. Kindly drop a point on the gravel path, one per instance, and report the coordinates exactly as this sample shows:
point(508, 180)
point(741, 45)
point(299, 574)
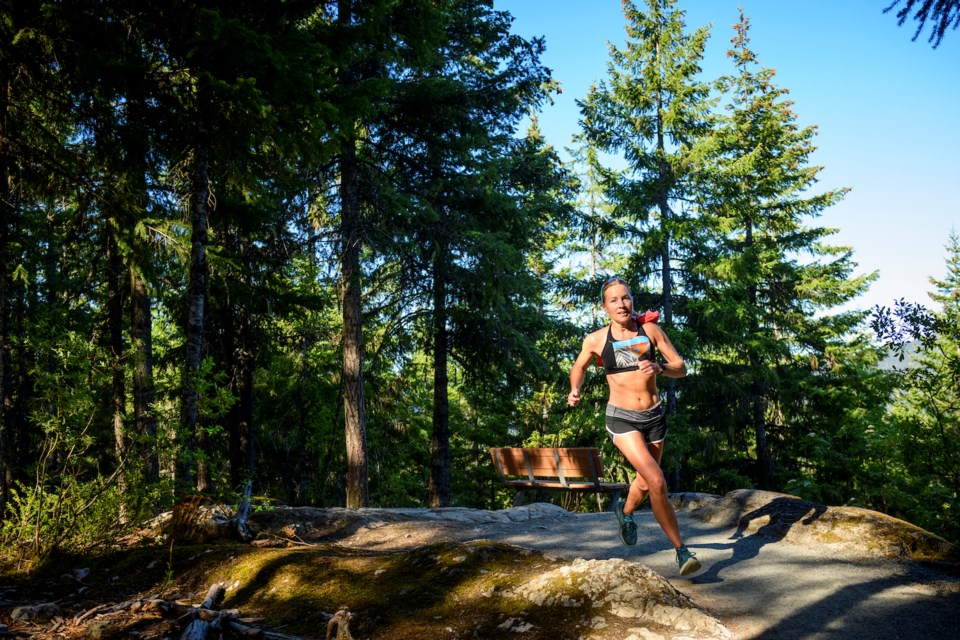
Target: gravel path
point(761, 586)
point(774, 566)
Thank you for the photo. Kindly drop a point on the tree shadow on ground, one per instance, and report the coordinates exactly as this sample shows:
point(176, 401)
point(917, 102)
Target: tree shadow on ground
point(783, 512)
point(866, 610)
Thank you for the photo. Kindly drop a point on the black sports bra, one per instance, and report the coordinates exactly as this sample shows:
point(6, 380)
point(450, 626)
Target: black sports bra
point(625, 355)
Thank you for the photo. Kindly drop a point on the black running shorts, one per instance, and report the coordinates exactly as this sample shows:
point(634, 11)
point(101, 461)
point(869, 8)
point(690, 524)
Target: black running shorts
point(651, 423)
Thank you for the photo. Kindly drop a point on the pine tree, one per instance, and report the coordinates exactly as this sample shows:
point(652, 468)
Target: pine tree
point(22, 63)
point(766, 281)
point(258, 228)
point(464, 242)
point(110, 78)
point(37, 168)
point(238, 71)
point(947, 295)
point(381, 53)
point(653, 111)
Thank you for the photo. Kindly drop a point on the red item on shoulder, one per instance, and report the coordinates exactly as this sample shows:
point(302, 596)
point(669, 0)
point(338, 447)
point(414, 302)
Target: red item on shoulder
point(641, 319)
point(647, 316)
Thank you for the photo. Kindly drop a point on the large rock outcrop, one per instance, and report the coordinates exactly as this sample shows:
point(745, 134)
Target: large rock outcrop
point(780, 516)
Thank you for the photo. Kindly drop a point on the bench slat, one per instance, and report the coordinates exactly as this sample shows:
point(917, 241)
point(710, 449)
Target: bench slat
point(581, 462)
point(560, 465)
point(570, 486)
point(553, 468)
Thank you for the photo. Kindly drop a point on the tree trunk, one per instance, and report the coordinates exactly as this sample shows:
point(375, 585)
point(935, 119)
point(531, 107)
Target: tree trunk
point(764, 459)
point(439, 490)
point(196, 292)
point(353, 396)
point(7, 216)
point(666, 273)
point(14, 426)
point(118, 390)
point(758, 388)
point(350, 291)
point(136, 143)
point(145, 422)
point(3, 386)
point(241, 424)
point(4, 345)
point(6, 210)
point(17, 389)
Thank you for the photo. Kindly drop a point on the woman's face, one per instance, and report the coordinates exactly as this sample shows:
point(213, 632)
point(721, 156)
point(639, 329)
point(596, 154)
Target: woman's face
point(617, 302)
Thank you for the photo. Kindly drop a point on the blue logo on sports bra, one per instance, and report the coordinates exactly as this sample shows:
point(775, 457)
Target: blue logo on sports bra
point(628, 352)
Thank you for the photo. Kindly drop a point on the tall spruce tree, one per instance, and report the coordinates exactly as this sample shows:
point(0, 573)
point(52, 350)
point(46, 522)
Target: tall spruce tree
point(766, 281)
point(380, 50)
point(463, 245)
point(233, 77)
point(261, 175)
point(108, 69)
point(192, 49)
point(351, 74)
point(24, 78)
point(38, 166)
point(652, 111)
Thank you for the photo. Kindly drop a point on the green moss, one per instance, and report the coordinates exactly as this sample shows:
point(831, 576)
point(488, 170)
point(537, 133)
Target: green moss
point(419, 593)
point(829, 537)
point(887, 536)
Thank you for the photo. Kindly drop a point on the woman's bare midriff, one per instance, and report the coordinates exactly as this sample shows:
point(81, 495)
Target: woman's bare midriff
point(633, 390)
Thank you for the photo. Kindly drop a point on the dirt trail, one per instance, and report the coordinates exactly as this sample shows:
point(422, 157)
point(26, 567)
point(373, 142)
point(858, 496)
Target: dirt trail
point(762, 588)
point(757, 581)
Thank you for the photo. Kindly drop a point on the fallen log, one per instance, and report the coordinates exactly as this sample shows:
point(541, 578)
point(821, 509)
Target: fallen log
point(204, 621)
point(197, 630)
point(244, 631)
point(214, 596)
point(241, 520)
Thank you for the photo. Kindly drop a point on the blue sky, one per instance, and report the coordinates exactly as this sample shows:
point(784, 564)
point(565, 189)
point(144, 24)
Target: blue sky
point(887, 110)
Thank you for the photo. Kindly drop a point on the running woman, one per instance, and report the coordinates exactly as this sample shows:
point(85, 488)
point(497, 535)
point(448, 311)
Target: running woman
point(636, 420)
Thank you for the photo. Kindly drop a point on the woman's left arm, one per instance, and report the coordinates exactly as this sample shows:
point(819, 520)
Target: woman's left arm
point(672, 365)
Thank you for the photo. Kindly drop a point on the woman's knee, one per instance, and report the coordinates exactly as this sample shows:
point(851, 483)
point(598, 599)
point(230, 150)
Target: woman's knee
point(656, 485)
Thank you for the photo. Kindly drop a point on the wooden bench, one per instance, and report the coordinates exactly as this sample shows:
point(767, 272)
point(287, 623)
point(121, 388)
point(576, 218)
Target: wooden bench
point(553, 469)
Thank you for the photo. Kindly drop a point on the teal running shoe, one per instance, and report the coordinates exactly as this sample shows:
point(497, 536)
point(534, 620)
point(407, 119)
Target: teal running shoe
point(687, 561)
point(628, 528)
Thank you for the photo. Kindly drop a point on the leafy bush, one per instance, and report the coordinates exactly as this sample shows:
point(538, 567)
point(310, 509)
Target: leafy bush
point(70, 516)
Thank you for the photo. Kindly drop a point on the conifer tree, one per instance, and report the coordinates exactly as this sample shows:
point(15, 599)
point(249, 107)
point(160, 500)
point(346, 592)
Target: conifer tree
point(652, 112)
point(21, 64)
point(350, 288)
point(236, 79)
point(766, 281)
point(924, 431)
point(261, 171)
point(465, 243)
point(111, 81)
point(36, 167)
point(384, 49)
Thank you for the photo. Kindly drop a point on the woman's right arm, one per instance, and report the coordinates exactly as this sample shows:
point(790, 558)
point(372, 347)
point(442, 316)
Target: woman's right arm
point(578, 372)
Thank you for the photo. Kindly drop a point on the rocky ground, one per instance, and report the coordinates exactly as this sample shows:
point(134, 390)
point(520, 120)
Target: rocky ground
point(774, 567)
